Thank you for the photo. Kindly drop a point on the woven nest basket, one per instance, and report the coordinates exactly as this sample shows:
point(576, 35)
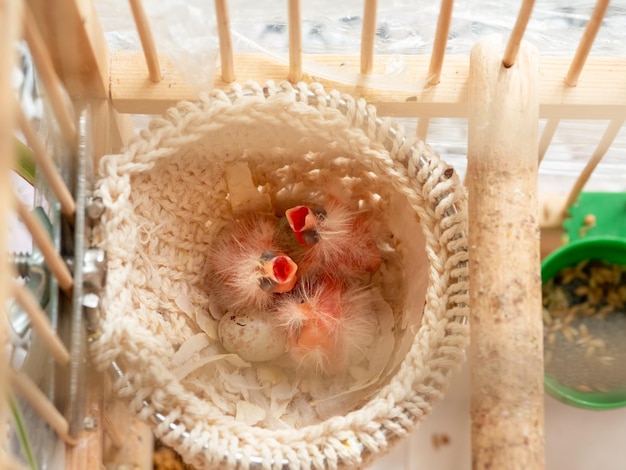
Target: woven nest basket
point(169, 190)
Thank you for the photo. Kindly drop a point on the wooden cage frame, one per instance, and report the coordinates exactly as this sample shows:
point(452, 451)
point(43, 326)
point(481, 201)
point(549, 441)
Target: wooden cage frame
point(490, 88)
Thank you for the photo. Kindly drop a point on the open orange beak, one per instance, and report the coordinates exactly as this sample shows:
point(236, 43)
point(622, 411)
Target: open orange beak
point(281, 271)
point(303, 222)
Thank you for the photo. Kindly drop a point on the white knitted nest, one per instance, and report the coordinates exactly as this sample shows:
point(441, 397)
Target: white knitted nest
point(164, 195)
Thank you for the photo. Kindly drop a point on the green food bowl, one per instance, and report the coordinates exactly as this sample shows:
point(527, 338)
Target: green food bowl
point(611, 250)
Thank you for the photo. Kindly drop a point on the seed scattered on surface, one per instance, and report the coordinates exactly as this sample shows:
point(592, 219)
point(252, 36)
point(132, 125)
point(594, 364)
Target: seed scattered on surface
point(606, 360)
point(597, 343)
point(589, 220)
point(567, 334)
point(547, 318)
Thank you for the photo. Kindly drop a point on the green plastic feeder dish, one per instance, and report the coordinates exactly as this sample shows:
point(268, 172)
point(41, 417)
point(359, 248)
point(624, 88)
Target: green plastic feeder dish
point(610, 250)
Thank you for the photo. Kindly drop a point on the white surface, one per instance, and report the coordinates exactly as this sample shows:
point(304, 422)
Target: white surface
point(576, 439)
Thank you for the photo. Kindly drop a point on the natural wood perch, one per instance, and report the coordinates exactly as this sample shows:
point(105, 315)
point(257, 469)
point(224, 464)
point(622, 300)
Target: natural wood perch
point(505, 283)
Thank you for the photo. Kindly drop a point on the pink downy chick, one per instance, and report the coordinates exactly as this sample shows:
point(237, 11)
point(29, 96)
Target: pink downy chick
point(335, 240)
point(328, 324)
point(246, 266)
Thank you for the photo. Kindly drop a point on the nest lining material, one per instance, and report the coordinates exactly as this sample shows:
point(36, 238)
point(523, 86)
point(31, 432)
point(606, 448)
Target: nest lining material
point(164, 195)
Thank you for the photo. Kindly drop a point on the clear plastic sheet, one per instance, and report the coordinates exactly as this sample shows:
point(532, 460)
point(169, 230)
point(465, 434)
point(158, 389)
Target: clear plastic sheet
point(404, 27)
point(408, 27)
point(184, 32)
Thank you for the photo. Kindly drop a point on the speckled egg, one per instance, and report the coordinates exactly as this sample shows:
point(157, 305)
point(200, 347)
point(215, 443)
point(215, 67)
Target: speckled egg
point(252, 335)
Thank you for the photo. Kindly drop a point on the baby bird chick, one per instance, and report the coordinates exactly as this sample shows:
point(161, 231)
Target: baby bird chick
point(335, 239)
point(246, 266)
point(328, 324)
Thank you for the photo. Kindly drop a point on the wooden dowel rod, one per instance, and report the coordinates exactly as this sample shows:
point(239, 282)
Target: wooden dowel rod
point(40, 403)
point(368, 36)
point(53, 260)
point(226, 45)
point(582, 52)
point(506, 347)
point(49, 77)
point(147, 40)
point(10, 33)
point(40, 323)
point(441, 39)
point(546, 136)
point(512, 47)
point(422, 128)
point(295, 42)
point(46, 164)
point(605, 143)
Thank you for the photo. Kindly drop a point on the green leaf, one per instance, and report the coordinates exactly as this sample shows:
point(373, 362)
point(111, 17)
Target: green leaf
point(21, 434)
point(25, 164)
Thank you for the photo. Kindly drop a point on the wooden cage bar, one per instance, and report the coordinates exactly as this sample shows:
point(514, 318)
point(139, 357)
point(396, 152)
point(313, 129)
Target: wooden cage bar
point(584, 47)
point(546, 136)
point(226, 45)
point(515, 39)
point(436, 57)
point(605, 143)
point(40, 403)
point(52, 84)
point(47, 165)
point(43, 241)
point(440, 42)
point(368, 36)
point(41, 324)
point(295, 41)
point(147, 40)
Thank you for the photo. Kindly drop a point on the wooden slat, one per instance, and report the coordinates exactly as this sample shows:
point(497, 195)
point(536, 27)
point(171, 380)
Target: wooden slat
point(76, 43)
point(147, 40)
point(10, 31)
point(584, 47)
point(601, 95)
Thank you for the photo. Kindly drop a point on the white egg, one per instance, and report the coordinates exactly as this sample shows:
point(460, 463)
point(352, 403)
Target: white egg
point(252, 335)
